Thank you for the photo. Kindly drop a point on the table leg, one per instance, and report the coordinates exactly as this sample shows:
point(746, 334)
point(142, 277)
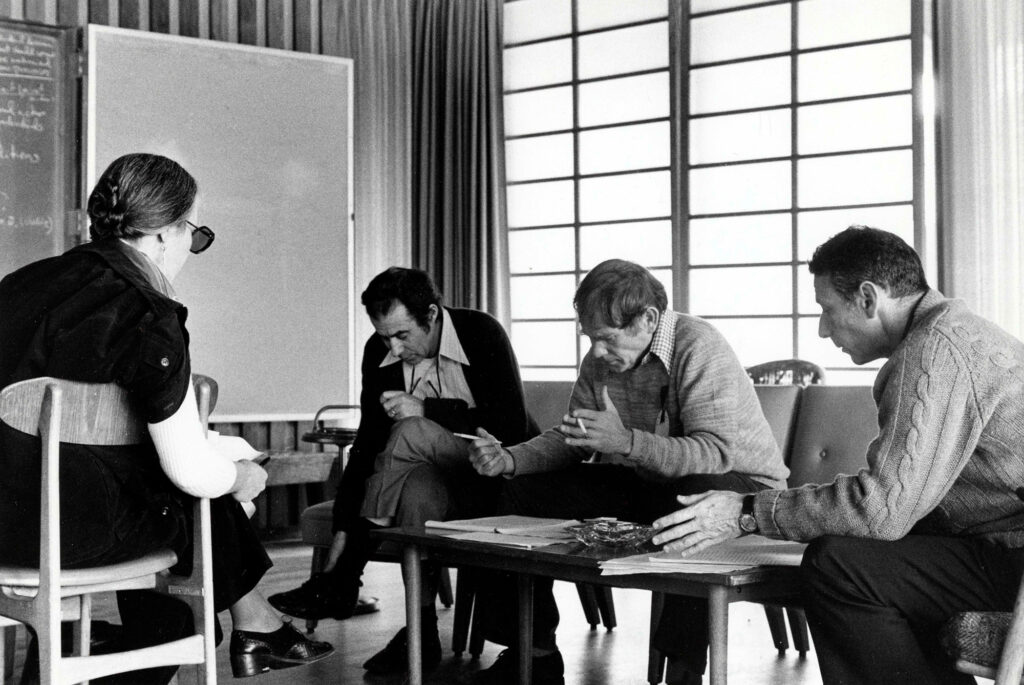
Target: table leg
point(411, 569)
point(718, 632)
point(524, 584)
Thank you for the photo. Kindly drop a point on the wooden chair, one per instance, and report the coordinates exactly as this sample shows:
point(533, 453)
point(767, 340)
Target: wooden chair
point(786, 372)
point(97, 414)
point(989, 644)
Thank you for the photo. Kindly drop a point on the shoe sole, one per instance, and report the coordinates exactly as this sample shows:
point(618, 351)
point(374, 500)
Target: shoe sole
point(248, 665)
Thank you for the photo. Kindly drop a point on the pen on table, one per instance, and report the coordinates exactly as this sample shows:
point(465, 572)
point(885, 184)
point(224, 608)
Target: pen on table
point(467, 436)
point(579, 422)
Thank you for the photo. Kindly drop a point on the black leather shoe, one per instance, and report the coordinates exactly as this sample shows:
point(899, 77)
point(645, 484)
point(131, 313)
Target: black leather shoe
point(320, 597)
point(394, 657)
point(547, 670)
point(254, 653)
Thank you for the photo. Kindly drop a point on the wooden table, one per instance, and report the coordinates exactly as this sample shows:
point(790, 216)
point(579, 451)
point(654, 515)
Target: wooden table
point(577, 563)
point(291, 467)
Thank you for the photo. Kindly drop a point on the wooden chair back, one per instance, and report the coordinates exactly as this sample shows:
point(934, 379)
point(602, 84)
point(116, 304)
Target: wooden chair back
point(786, 372)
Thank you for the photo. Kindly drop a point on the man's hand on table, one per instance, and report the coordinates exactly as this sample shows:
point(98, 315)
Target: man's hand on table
point(705, 519)
point(488, 457)
point(600, 431)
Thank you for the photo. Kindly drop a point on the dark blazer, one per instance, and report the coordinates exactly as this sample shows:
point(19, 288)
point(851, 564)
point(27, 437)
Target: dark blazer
point(492, 376)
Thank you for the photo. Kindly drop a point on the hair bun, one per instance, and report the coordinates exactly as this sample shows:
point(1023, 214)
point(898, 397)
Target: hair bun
point(106, 211)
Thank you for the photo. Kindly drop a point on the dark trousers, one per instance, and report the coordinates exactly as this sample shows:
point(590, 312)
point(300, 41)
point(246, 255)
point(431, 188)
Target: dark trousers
point(589, 491)
point(875, 607)
point(149, 618)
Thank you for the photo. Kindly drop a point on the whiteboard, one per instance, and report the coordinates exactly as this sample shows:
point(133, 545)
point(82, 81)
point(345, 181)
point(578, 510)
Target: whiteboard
point(268, 136)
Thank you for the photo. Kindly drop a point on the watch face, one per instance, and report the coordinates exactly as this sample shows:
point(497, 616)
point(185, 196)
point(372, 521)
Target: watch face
point(748, 524)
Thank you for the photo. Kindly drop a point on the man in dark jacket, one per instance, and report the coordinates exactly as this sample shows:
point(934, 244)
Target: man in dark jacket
point(429, 372)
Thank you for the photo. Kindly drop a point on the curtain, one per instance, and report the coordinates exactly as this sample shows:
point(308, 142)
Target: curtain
point(376, 34)
point(981, 141)
point(458, 177)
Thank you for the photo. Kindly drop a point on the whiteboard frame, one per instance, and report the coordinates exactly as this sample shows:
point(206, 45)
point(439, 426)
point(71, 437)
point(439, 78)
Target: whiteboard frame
point(90, 174)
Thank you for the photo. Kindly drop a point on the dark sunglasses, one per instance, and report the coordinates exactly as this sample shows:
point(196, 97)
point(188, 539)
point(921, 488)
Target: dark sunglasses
point(202, 237)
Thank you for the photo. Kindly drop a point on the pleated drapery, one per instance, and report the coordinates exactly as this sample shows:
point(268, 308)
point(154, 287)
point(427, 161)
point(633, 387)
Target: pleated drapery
point(981, 141)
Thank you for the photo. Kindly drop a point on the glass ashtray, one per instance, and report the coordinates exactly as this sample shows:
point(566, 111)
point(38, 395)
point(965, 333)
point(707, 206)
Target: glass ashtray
point(612, 533)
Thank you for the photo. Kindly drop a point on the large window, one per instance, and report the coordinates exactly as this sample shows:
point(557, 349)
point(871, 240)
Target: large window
point(716, 142)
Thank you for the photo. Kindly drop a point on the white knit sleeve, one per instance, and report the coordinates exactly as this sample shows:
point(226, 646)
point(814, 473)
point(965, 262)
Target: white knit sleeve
point(185, 455)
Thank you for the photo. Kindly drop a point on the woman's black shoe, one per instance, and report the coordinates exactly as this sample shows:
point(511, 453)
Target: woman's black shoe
point(254, 653)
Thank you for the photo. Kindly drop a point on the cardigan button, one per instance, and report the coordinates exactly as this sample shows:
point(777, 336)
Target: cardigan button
point(165, 511)
point(165, 362)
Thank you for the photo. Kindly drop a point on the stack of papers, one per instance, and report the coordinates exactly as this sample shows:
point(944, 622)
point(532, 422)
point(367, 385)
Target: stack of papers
point(731, 555)
point(512, 531)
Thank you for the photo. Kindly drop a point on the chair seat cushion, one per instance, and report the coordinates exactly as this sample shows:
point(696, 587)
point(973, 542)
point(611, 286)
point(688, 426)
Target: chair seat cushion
point(976, 636)
point(316, 523)
point(19, 577)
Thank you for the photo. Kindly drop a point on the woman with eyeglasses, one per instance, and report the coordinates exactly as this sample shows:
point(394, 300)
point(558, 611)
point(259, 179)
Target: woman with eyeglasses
point(104, 312)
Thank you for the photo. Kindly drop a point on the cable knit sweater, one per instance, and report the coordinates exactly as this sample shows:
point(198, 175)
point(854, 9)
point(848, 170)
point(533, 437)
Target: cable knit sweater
point(950, 450)
point(689, 404)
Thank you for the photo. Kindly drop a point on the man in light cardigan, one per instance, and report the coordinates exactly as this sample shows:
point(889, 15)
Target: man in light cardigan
point(934, 525)
point(664, 402)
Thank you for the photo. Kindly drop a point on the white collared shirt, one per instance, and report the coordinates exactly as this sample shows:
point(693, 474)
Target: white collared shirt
point(439, 376)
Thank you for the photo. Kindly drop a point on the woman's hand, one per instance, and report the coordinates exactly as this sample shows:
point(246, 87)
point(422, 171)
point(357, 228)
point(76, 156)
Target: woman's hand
point(400, 405)
point(250, 481)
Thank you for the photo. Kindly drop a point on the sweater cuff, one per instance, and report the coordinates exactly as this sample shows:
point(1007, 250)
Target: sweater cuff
point(643, 446)
point(765, 502)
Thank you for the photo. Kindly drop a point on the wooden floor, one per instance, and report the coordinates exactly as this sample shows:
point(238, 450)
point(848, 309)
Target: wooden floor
point(593, 657)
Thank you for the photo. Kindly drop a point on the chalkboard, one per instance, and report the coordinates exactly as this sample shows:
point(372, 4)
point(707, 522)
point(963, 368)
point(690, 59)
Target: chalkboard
point(267, 135)
point(36, 141)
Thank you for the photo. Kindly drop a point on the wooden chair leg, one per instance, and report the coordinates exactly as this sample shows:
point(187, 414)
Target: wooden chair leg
point(798, 626)
point(8, 643)
point(316, 565)
point(655, 659)
point(606, 606)
point(444, 588)
point(777, 626)
point(588, 599)
point(476, 633)
point(465, 593)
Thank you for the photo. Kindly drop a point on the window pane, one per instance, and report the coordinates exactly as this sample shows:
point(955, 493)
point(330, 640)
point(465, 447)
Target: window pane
point(712, 5)
point(533, 373)
point(626, 147)
point(537, 111)
point(741, 290)
point(540, 204)
point(638, 48)
point(540, 250)
point(545, 343)
point(740, 188)
point(856, 179)
point(538, 65)
point(625, 99)
point(757, 340)
point(531, 19)
point(630, 196)
point(814, 228)
point(644, 242)
point(746, 33)
point(595, 14)
point(854, 71)
point(761, 83)
point(737, 137)
point(665, 276)
point(542, 297)
point(828, 22)
point(540, 157)
point(857, 125)
point(821, 351)
point(741, 239)
point(805, 292)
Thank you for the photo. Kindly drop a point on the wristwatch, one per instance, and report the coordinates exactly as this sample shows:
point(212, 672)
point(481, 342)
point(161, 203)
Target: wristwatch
point(748, 524)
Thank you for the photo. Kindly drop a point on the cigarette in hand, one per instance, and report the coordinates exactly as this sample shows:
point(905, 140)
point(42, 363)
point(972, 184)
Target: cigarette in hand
point(579, 422)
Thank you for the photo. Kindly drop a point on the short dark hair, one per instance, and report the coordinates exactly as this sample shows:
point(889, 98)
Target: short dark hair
point(138, 193)
point(863, 253)
point(616, 292)
point(412, 287)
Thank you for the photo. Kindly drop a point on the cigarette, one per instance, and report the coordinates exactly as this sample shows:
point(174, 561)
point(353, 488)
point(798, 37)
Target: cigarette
point(467, 436)
point(579, 422)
